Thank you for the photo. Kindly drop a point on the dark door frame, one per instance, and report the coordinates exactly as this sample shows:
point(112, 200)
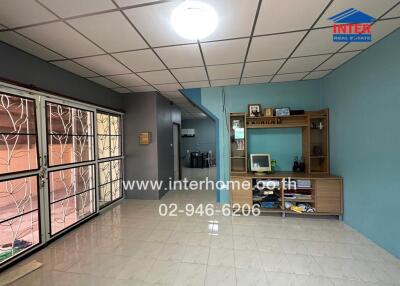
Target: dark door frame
point(179, 149)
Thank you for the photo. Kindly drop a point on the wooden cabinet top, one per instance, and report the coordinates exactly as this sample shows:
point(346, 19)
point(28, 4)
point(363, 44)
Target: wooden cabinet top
point(280, 175)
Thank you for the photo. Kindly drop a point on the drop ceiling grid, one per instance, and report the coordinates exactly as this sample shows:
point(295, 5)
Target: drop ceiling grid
point(168, 67)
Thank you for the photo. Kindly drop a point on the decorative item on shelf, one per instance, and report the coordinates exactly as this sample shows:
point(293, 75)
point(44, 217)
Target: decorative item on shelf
point(274, 164)
point(297, 112)
point(296, 164)
point(317, 125)
point(279, 120)
point(302, 165)
point(144, 138)
point(317, 151)
point(254, 110)
point(283, 111)
point(269, 111)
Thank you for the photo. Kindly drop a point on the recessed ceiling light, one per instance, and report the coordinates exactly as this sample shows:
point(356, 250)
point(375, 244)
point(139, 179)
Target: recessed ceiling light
point(194, 20)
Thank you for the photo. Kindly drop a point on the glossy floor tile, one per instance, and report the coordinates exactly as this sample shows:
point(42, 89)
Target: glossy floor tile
point(131, 244)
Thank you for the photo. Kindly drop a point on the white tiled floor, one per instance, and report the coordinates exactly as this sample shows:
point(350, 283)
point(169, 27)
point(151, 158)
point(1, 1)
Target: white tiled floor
point(198, 174)
point(132, 245)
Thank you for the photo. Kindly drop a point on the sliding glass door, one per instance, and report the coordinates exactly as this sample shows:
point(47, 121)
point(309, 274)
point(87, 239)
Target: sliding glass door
point(20, 203)
point(70, 165)
point(54, 167)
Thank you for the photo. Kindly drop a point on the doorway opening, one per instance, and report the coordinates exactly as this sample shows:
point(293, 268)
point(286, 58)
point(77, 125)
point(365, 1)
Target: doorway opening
point(198, 149)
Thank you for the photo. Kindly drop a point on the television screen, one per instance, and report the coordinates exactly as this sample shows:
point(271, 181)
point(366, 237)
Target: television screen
point(260, 161)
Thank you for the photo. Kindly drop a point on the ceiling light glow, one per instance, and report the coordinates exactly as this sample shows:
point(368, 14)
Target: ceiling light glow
point(194, 20)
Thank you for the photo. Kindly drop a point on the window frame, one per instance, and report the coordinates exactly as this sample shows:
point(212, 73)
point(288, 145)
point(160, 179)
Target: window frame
point(111, 158)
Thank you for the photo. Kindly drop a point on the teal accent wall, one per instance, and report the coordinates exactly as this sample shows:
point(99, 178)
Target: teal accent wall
point(364, 101)
point(283, 145)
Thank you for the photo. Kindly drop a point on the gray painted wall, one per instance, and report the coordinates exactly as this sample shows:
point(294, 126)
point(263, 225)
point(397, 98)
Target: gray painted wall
point(204, 139)
point(22, 67)
point(166, 116)
point(148, 112)
point(140, 160)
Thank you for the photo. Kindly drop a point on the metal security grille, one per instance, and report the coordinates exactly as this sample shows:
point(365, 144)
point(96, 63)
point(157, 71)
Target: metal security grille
point(19, 176)
point(55, 171)
point(109, 134)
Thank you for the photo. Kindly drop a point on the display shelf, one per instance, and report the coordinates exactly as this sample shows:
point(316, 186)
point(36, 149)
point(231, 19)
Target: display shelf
point(296, 200)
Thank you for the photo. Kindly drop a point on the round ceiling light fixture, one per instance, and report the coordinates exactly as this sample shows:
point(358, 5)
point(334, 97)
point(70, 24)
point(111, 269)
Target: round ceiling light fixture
point(194, 20)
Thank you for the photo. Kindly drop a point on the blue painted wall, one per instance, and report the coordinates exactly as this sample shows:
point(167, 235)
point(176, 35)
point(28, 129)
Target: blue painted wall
point(282, 144)
point(364, 101)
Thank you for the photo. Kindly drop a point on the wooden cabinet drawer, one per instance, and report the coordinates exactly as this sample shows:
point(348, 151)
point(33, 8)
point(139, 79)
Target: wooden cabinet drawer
point(329, 196)
point(241, 195)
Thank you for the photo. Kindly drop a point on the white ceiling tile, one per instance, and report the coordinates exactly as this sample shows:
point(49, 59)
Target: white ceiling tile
point(140, 61)
point(317, 74)
point(104, 65)
point(77, 7)
point(28, 46)
point(111, 31)
point(128, 80)
point(256, 79)
point(318, 42)
point(122, 90)
point(144, 88)
point(173, 94)
point(394, 13)
point(288, 77)
point(168, 87)
point(104, 82)
point(371, 7)
point(225, 52)
point(153, 22)
point(124, 3)
point(225, 71)
point(378, 31)
point(287, 15)
point(158, 77)
point(305, 64)
point(337, 60)
point(261, 68)
point(61, 38)
point(190, 74)
point(274, 46)
point(236, 18)
point(17, 13)
point(225, 82)
point(180, 56)
point(195, 84)
point(74, 68)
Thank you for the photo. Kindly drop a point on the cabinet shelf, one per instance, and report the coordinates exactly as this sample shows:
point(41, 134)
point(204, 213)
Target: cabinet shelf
point(296, 200)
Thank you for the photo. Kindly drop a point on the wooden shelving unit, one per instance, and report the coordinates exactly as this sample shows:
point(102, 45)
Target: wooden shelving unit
point(315, 134)
point(238, 143)
point(325, 193)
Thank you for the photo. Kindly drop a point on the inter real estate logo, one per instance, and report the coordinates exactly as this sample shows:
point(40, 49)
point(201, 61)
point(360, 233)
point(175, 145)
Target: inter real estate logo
point(352, 26)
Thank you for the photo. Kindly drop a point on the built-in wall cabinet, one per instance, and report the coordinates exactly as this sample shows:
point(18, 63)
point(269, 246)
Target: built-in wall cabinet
point(60, 163)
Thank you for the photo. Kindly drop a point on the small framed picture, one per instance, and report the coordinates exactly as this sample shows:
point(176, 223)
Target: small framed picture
point(283, 111)
point(254, 110)
point(268, 111)
point(144, 138)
